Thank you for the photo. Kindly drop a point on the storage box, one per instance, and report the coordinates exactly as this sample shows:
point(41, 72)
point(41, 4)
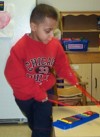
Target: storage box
point(75, 45)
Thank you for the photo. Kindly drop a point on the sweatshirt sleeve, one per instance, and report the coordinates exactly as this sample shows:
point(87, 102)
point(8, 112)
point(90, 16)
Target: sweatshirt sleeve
point(16, 77)
point(62, 67)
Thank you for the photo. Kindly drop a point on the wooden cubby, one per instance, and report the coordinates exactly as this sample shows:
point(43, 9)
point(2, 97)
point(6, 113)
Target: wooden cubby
point(84, 24)
point(81, 24)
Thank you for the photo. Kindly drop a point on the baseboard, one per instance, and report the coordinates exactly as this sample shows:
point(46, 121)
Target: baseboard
point(13, 121)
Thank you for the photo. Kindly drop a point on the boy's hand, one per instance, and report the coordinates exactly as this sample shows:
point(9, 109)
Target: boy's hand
point(41, 96)
point(44, 100)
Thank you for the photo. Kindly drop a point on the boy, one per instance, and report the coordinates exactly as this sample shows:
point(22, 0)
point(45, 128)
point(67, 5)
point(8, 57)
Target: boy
point(29, 69)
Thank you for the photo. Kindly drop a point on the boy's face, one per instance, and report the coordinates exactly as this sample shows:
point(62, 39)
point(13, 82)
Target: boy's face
point(44, 31)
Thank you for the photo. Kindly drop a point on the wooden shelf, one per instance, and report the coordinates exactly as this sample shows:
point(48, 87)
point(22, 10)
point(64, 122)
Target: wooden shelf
point(84, 57)
point(93, 50)
point(82, 30)
point(77, 13)
point(81, 24)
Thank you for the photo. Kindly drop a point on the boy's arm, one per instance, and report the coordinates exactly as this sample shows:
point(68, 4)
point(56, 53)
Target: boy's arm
point(63, 68)
point(16, 77)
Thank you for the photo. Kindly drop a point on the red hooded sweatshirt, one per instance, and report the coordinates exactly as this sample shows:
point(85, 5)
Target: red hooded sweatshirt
point(29, 67)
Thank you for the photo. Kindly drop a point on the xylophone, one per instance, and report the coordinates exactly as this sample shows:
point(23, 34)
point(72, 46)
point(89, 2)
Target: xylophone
point(75, 120)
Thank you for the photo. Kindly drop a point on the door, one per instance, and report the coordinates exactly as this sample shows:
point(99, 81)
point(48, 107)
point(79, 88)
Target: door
point(84, 74)
point(96, 81)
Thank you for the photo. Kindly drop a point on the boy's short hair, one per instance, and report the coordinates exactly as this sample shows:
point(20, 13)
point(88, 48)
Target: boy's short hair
point(41, 11)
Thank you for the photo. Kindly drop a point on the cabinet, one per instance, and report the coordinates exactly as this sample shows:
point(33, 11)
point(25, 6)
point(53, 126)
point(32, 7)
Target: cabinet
point(84, 73)
point(90, 74)
point(96, 80)
point(84, 24)
point(81, 25)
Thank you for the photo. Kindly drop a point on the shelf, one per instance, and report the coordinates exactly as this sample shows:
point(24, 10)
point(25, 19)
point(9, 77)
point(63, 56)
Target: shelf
point(89, 30)
point(94, 50)
point(81, 24)
point(83, 57)
point(77, 13)
point(90, 56)
point(90, 50)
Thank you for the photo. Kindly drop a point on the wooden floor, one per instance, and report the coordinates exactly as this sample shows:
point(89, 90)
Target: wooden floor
point(15, 131)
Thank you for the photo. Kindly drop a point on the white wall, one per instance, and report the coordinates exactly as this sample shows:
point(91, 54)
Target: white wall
point(73, 5)
point(8, 108)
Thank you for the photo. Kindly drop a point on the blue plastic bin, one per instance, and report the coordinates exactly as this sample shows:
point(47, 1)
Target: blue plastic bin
point(75, 45)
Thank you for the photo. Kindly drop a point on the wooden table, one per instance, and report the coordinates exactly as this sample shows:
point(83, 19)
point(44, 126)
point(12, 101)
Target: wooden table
point(89, 129)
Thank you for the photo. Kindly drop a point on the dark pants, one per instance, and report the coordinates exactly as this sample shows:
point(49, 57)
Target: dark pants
point(39, 116)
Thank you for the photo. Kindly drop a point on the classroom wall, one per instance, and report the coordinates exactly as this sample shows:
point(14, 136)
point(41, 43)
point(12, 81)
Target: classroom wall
point(73, 5)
